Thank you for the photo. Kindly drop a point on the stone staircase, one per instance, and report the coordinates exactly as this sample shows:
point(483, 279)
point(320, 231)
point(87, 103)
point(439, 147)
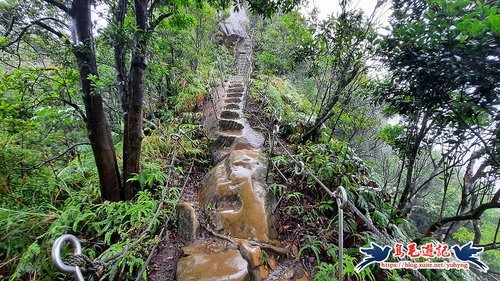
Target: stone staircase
point(232, 199)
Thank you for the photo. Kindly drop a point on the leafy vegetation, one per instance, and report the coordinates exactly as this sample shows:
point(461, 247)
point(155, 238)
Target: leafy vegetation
point(415, 146)
point(408, 147)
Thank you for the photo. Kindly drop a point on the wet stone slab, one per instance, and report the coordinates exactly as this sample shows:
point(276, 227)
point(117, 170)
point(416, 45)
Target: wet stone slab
point(232, 107)
point(239, 95)
point(233, 100)
point(204, 264)
point(223, 141)
point(226, 114)
point(230, 125)
point(235, 90)
point(239, 178)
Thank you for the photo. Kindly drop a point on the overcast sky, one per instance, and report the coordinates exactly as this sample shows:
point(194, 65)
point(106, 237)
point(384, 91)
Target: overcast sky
point(328, 7)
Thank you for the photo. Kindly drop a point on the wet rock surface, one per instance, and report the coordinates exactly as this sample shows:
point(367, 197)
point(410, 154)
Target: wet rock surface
point(239, 180)
point(232, 196)
point(189, 226)
point(230, 125)
point(252, 254)
point(229, 114)
point(227, 265)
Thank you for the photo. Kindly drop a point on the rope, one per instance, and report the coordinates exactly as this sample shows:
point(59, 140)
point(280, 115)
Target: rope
point(90, 268)
point(153, 250)
point(341, 238)
point(342, 200)
point(79, 264)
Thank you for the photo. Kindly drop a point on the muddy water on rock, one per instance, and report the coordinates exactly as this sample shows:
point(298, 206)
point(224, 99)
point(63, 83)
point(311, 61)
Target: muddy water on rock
point(233, 194)
point(228, 265)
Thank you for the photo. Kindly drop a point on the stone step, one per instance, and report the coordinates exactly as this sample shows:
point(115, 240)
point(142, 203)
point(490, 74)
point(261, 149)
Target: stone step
point(235, 95)
point(210, 263)
point(223, 141)
point(241, 173)
point(233, 100)
point(235, 89)
point(226, 114)
point(231, 134)
point(232, 106)
point(230, 125)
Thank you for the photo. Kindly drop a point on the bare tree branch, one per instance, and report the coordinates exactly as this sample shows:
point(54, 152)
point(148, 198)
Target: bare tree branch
point(37, 166)
point(9, 28)
point(76, 107)
point(38, 22)
point(158, 20)
point(59, 5)
point(473, 214)
point(490, 246)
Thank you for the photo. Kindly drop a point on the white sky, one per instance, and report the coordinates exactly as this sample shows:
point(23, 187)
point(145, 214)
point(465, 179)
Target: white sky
point(328, 7)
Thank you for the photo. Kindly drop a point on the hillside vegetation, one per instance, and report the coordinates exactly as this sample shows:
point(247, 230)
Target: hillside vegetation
point(98, 129)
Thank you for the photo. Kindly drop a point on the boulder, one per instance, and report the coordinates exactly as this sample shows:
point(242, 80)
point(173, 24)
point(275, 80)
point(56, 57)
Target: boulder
point(189, 226)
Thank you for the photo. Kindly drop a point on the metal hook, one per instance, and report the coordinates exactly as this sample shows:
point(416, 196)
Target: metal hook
point(276, 129)
point(342, 197)
point(302, 168)
point(175, 137)
point(56, 255)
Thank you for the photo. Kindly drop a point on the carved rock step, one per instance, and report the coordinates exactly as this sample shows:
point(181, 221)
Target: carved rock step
point(236, 79)
point(233, 100)
point(223, 141)
point(230, 134)
point(226, 114)
point(240, 176)
point(235, 89)
point(235, 95)
point(232, 106)
point(230, 125)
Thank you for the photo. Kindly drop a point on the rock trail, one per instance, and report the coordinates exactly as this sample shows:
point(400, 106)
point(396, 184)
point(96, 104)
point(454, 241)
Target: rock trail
point(233, 195)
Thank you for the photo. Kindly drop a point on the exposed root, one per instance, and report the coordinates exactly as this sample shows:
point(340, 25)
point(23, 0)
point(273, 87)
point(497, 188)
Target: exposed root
point(236, 241)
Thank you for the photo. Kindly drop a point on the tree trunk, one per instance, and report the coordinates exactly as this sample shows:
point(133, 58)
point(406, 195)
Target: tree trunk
point(119, 50)
point(97, 124)
point(133, 115)
point(326, 112)
point(409, 183)
point(468, 202)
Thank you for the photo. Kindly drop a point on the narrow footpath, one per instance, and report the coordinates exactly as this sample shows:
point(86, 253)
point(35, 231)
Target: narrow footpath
point(232, 204)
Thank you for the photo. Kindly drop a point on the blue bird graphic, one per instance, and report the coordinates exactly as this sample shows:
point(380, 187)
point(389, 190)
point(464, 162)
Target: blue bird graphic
point(373, 254)
point(467, 253)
